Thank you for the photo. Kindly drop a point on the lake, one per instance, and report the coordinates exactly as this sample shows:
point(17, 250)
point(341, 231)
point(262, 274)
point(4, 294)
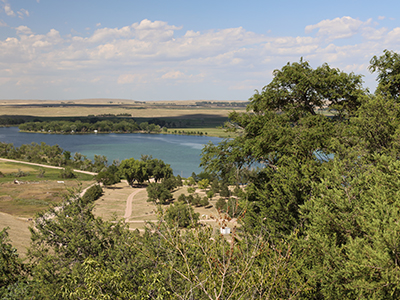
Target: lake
point(182, 152)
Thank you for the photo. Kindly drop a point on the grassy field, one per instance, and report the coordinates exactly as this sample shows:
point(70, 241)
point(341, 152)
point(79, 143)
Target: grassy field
point(20, 202)
point(34, 194)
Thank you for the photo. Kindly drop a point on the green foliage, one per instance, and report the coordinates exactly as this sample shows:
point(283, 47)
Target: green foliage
point(158, 192)
point(224, 192)
point(203, 184)
point(157, 169)
point(13, 272)
point(62, 240)
point(298, 89)
point(191, 190)
point(388, 68)
point(221, 204)
point(134, 170)
point(182, 215)
point(67, 173)
point(20, 173)
point(92, 194)
point(352, 230)
point(41, 173)
point(204, 201)
point(109, 176)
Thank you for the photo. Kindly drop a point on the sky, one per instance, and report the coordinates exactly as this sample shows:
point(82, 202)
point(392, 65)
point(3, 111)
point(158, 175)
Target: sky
point(153, 50)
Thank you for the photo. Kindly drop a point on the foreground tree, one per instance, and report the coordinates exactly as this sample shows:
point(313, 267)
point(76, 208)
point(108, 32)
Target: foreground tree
point(352, 230)
point(300, 89)
point(13, 273)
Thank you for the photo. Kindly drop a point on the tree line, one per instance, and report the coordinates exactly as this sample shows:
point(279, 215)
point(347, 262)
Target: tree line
point(104, 126)
point(318, 196)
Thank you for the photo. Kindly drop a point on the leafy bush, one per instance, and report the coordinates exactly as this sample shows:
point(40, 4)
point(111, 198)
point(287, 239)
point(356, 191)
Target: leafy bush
point(92, 194)
point(221, 204)
point(182, 198)
point(204, 202)
point(210, 194)
point(181, 214)
point(20, 173)
point(67, 173)
point(41, 173)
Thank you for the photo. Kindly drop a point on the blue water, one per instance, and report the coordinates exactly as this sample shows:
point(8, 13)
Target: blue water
point(180, 151)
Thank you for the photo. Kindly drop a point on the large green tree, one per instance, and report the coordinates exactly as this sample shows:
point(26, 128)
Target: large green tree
point(299, 88)
point(388, 68)
point(133, 170)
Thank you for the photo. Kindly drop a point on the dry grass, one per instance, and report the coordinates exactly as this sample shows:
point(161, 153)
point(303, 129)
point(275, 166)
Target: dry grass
point(79, 108)
point(18, 231)
point(113, 203)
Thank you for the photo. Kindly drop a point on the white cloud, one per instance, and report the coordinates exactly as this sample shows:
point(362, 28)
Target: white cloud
point(23, 13)
point(7, 9)
point(173, 75)
point(23, 30)
point(146, 53)
point(337, 28)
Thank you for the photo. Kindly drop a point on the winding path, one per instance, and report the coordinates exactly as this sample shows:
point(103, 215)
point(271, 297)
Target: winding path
point(128, 208)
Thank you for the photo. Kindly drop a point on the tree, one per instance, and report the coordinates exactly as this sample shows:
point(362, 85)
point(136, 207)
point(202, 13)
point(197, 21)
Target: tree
point(352, 229)
point(157, 169)
point(182, 215)
point(134, 170)
point(388, 68)
point(157, 191)
point(203, 184)
point(109, 176)
point(63, 238)
point(13, 273)
point(299, 89)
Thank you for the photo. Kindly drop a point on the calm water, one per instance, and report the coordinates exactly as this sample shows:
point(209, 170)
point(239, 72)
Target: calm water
point(181, 152)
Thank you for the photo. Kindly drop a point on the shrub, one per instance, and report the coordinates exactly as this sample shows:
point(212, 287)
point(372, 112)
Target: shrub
point(182, 198)
point(210, 194)
point(225, 192)
point(20, 173)
point(67, 173)
point(41, 173)
point(182, 214)
point(204, 202)
point(92, 194)
point(196, 200)
point(221, 204)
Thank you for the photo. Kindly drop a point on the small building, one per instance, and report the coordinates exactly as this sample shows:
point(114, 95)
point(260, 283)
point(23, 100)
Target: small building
point(225, 230)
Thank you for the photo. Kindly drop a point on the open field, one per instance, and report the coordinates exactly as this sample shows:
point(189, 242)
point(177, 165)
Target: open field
point(34, 194)
point(76, 108)
point(113, 205)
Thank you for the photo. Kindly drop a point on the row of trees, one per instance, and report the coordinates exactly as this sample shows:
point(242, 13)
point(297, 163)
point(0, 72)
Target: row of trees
point(118, 125)
point(321, 208)
point(52, 155)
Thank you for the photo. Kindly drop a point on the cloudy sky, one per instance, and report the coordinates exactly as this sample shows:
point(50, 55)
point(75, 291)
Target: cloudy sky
point(181, 49)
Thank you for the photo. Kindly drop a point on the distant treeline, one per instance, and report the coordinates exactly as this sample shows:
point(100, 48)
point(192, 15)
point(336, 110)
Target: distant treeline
point(109, 125)
point(222, 103)
point(52, 155)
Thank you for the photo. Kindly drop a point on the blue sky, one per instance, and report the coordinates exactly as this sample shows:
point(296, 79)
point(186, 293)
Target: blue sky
point(181, 50)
